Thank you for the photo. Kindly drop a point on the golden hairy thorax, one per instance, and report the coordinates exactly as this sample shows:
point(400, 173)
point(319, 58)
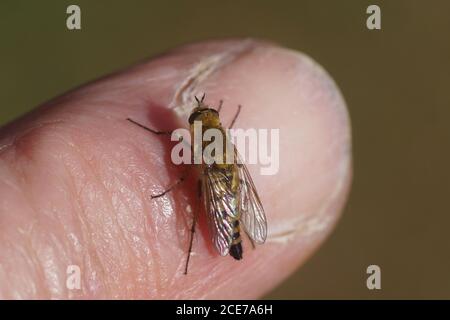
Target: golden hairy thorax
point(210, 120)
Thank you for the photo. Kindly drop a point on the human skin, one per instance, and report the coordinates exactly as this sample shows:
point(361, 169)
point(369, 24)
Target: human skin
point(76, 178)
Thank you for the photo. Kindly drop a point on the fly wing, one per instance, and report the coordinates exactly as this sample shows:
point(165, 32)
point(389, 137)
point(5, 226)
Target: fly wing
point(251, 210)
point(221, 207)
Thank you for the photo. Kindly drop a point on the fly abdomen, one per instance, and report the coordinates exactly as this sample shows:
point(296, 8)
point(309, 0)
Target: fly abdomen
point(236, 246)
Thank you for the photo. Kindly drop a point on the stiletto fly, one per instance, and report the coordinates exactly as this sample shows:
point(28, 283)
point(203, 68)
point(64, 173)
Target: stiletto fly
point(229, 195)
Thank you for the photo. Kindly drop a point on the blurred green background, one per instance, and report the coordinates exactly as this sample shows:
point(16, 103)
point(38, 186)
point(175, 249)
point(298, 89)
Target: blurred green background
point(395, 81)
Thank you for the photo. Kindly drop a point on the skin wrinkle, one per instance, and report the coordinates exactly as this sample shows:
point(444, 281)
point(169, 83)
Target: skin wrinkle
point(112, 198)
point(72, 176)
point(164, 276)
point(50, 260)
point(227, 279)
point(178, 275)
point(151, 156)
point(118, 203)
point(158, 257)
point(5, 147)
point(89, 171)
point(42, 259)
point(15, 141)
point(110, 190)
point(9, 184)
point(132, 230)
point(7, 244)
point(185, 233)
point(86, 233)
point(180, 250)
point(13, 284)
point(183, 99)
point(203, 284)
point(226, 283)
point(32, 256)
point(154, 253)
point(179, 270)
point(146, 233)
point(154, 268)
point(221, 287)
point(90, 259)
point(61, 247)
point(9, 288)
point(137, 75)
point(71, 227)
point(107, 197)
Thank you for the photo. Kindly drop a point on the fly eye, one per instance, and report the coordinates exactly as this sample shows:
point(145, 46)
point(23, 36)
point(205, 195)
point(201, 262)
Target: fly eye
point(193, 116)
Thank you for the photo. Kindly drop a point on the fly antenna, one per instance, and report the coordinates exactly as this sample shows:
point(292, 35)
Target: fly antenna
point(196, 99)
point(203, 97)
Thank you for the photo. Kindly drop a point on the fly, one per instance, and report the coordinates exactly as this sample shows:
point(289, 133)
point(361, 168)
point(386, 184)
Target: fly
point(229, 195)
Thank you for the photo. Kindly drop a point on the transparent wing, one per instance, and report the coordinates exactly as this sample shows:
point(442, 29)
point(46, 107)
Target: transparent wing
point(221, 207)
point(251, 210)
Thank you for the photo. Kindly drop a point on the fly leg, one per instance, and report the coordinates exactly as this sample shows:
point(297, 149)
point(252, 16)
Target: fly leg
point(220, 106)
point(235, 116)
point(168, 133)
point(172, 186)
point(194, 222)
point(149, 129)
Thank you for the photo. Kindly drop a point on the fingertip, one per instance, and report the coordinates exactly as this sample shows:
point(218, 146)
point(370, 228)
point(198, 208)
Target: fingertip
point(113, 168)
